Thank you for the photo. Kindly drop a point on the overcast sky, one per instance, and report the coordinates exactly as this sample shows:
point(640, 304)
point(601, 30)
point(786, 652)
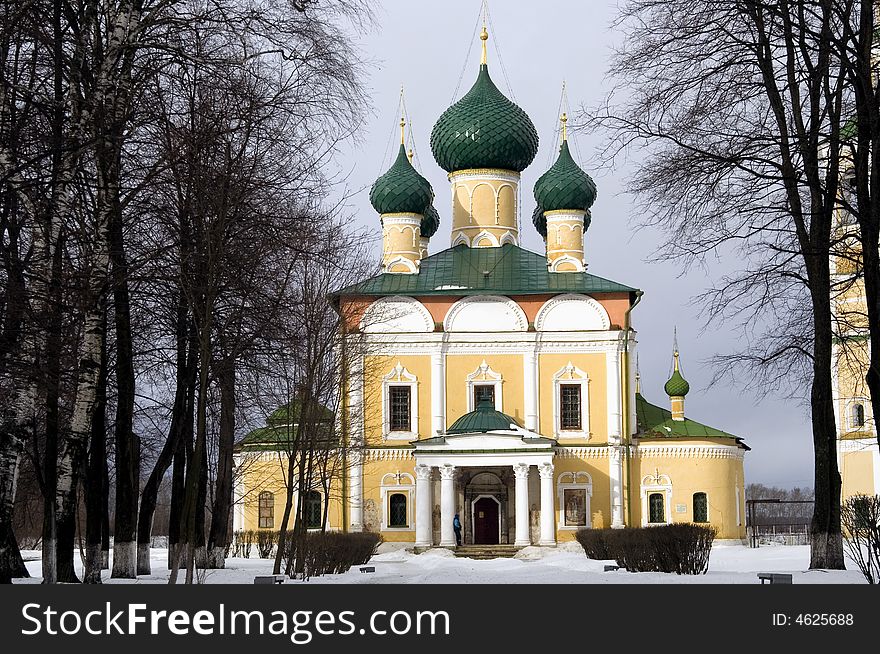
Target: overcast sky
point(424, 46)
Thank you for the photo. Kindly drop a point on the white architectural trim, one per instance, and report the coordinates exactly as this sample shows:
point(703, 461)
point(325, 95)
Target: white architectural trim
point(438, 393)
point(474, 512)
point(484, 376)
point(508, 237)
point(403, 482)
point(614, 393)
point(412, 267)
point(487, 235)
point(530, 390)
point(569, 481)
point(238, 496)
point(564, 305)
point(461, 239)
point(397, 314)
point(488, 174)
point(400, 376)
point(474, 302)
point(689, 451)
point(566, 258)
point(849, 411)
point(570, 374)
point(656, 483)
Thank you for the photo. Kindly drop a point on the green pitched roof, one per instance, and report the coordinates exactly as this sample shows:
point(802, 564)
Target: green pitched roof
point(484, 130)
point(460, 271)
point(656, 422)
point(482, 419)
point(565, 185)
point(401, 189)
point(280, 429)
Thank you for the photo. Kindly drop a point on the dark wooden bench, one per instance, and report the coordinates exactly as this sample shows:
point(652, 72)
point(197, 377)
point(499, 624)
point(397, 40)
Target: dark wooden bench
point(368, 568)
point(269, 579)
point(774, 577)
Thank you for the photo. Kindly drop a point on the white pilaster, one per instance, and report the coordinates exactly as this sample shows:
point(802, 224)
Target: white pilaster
point(447, 505)
point(238, 497)
point(356, 490)
point(530, 386)
point(424, 535)
point(612, 367)
point(548, 510)
point(615, 472)
point(355, 443)
point(521, 471)
point(438, 393)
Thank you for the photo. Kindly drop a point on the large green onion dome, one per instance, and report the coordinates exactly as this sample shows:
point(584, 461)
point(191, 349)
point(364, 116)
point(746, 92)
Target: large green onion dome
point(401, 189)
point(484, 130)
point(430, 222)
point(677, 385)
point(565, 185)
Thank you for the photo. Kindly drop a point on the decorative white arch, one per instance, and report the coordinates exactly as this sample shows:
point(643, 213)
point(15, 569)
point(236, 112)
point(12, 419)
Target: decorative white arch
point(397, 313)
point(461, 239)
point(656, 483)
point(400, 376)
point(485, 313)
point(567, 258)
point(394, 483)
point(508, 237)
point(487, 235)
point(572, 312)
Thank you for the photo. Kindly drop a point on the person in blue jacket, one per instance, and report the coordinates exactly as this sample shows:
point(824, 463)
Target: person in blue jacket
point(456, 526)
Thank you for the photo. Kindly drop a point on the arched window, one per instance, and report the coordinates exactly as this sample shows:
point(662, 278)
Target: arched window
point(701, 508)
point(656, 508)
point(312, 507)
point(266, 502)
point(858, 415)
point(397, 513)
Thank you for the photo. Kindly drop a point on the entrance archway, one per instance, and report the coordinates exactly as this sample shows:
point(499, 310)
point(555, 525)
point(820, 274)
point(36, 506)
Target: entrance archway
point(486, 518)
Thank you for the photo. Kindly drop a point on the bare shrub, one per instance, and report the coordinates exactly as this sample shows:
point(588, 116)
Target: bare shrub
point(322, 553)
point(860, 516)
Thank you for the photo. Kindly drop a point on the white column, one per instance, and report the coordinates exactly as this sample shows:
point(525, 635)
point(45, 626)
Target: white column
point(530, 392)
point(238, 497)
point(615, 472)
point(438, 393)
point(447, 505)
point(548, 511)
point(424, 531)
point(356, 490)
point(612, 367)
point(521, 471)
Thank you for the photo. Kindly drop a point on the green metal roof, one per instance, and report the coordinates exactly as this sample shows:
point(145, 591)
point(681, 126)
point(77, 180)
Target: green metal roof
point(401, 189)
point(512, 270)
point(281, 429)
point(656, 422)
point(484, 130)
point(565, 185)
point(482, 419)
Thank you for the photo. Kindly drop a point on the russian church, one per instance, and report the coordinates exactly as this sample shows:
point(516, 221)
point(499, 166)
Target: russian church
point(497, 385)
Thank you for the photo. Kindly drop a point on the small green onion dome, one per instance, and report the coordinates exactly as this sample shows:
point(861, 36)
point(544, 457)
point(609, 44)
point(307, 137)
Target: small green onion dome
point(484, 130)
point(430, 222)
point(677, 385)
point(401, 189)
point(565, 185)
point(540, 221)
point(482, 419)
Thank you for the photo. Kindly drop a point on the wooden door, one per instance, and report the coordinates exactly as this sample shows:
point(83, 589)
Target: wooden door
point(486, 521)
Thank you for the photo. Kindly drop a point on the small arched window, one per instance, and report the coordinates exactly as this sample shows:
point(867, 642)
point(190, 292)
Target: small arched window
point(657, 513)
point(701, 508)
point(858, 415)
point(313, 515)
point(266, 503)
point(397, 510)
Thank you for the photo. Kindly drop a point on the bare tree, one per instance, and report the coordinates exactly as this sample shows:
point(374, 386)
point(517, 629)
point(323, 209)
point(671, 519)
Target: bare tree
point(735, 109)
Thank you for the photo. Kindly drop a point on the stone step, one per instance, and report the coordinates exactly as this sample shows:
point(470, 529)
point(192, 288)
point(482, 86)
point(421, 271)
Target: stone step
point(484, 552)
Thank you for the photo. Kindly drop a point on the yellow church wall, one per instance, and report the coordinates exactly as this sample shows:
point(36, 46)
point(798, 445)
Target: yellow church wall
point(717, 477)
point(594, 366)
point(376, 367)
point(374, 471)
point(509, 366)
point(600, 500)
point(857, 473)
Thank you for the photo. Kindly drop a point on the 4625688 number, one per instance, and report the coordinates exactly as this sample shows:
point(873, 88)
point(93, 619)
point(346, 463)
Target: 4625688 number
point(824, 619)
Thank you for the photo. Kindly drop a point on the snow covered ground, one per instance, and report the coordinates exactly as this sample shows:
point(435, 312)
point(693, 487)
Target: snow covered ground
point(566, 565)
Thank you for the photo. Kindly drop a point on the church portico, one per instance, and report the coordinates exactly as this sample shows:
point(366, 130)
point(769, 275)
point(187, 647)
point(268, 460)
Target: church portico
point(484, 478)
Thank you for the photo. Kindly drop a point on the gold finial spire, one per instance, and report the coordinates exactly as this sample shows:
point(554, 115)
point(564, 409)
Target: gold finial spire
point(409, 154)
point(638, 377)
point(564, 121)
point(484, 36)
point(675, 357)
point(402, 130)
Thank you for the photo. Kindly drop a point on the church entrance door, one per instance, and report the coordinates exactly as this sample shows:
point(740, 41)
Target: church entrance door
point(486, 521)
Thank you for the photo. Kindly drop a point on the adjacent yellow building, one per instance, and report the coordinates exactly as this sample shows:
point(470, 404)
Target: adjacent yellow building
point(498, 385)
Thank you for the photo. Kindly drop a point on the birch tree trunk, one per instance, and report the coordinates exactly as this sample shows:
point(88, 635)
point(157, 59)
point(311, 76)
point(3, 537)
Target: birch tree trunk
point(219, 535)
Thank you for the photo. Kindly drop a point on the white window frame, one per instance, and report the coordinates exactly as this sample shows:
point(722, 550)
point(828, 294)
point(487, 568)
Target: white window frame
point(850, 417)
point(571, 375)
point(400, 376)
point(484, 376)
point(574, 481)
point(398, 482)
point(657, 483)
